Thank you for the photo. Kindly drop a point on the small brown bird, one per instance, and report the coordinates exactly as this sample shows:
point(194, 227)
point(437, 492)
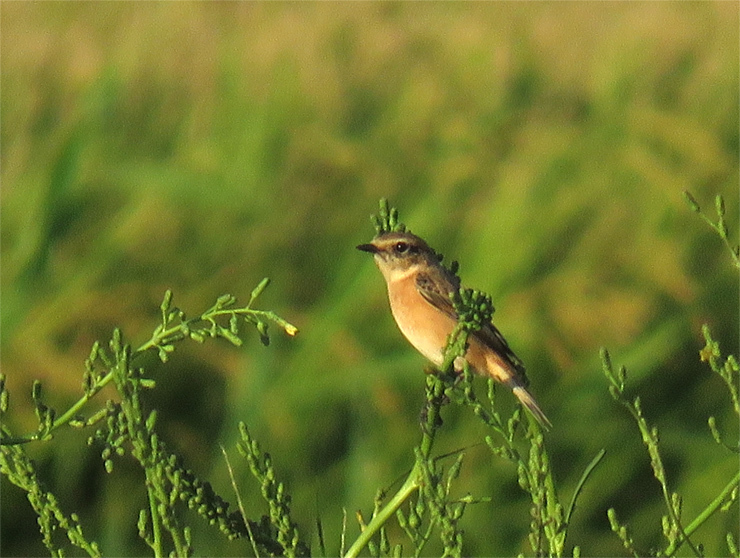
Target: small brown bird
point(419, 289)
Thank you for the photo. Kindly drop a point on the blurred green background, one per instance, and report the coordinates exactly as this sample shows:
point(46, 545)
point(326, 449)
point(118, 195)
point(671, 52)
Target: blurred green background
point(203, 146)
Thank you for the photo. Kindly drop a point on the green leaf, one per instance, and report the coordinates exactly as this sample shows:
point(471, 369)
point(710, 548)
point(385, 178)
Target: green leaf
point(691, 201)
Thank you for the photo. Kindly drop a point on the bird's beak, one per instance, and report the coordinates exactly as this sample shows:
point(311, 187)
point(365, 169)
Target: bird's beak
point(368, 248)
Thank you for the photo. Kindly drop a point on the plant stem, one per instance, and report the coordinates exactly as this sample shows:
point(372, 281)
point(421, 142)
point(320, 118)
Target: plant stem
point(165, 335)
point(70, 413)
point(584, 477)
point(412, 483)
point(706, 514)
point(435, 391)
point(156, 528)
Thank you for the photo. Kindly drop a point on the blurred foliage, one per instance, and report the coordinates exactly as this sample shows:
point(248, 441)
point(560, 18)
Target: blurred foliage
point(200, 147)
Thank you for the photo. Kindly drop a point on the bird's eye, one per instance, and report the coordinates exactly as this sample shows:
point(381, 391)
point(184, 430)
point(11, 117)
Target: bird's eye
point(401, 247)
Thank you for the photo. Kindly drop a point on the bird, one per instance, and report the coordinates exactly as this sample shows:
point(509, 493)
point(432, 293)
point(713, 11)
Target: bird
point(419, 292)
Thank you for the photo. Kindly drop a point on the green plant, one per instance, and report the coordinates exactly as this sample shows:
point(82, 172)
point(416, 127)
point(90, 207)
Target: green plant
point(674, 530)
point(125, 426)
point(434, 509)
point(427, 504)
point(720, 227)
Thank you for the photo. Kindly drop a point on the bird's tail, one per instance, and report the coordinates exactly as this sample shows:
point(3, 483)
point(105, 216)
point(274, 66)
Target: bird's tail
point(528, 401)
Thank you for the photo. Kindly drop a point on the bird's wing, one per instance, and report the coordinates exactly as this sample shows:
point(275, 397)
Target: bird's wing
point(436, 290)
point(492, 337)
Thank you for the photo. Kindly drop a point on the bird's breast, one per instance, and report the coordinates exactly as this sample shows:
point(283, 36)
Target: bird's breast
point(425, 326)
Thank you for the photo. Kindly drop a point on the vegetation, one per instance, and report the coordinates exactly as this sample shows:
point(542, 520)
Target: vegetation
point(195, 148)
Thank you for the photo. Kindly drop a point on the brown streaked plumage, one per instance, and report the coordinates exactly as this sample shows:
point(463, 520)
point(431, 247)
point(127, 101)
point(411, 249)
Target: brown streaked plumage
point(419, 290)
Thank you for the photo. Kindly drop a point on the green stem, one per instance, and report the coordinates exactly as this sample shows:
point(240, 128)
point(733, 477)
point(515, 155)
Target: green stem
point(722, 234)
point(433, 412)
point(165, 336)
point(584, 477)
point(156, 528)
point(659, 474)
point(706, 514)
point(413, 482)
point(70, 413)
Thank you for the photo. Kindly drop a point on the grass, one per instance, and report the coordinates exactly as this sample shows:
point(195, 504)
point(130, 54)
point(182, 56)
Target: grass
point(545, 147)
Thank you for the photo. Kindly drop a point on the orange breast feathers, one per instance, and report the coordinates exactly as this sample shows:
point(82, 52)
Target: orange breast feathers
point(425, 326)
